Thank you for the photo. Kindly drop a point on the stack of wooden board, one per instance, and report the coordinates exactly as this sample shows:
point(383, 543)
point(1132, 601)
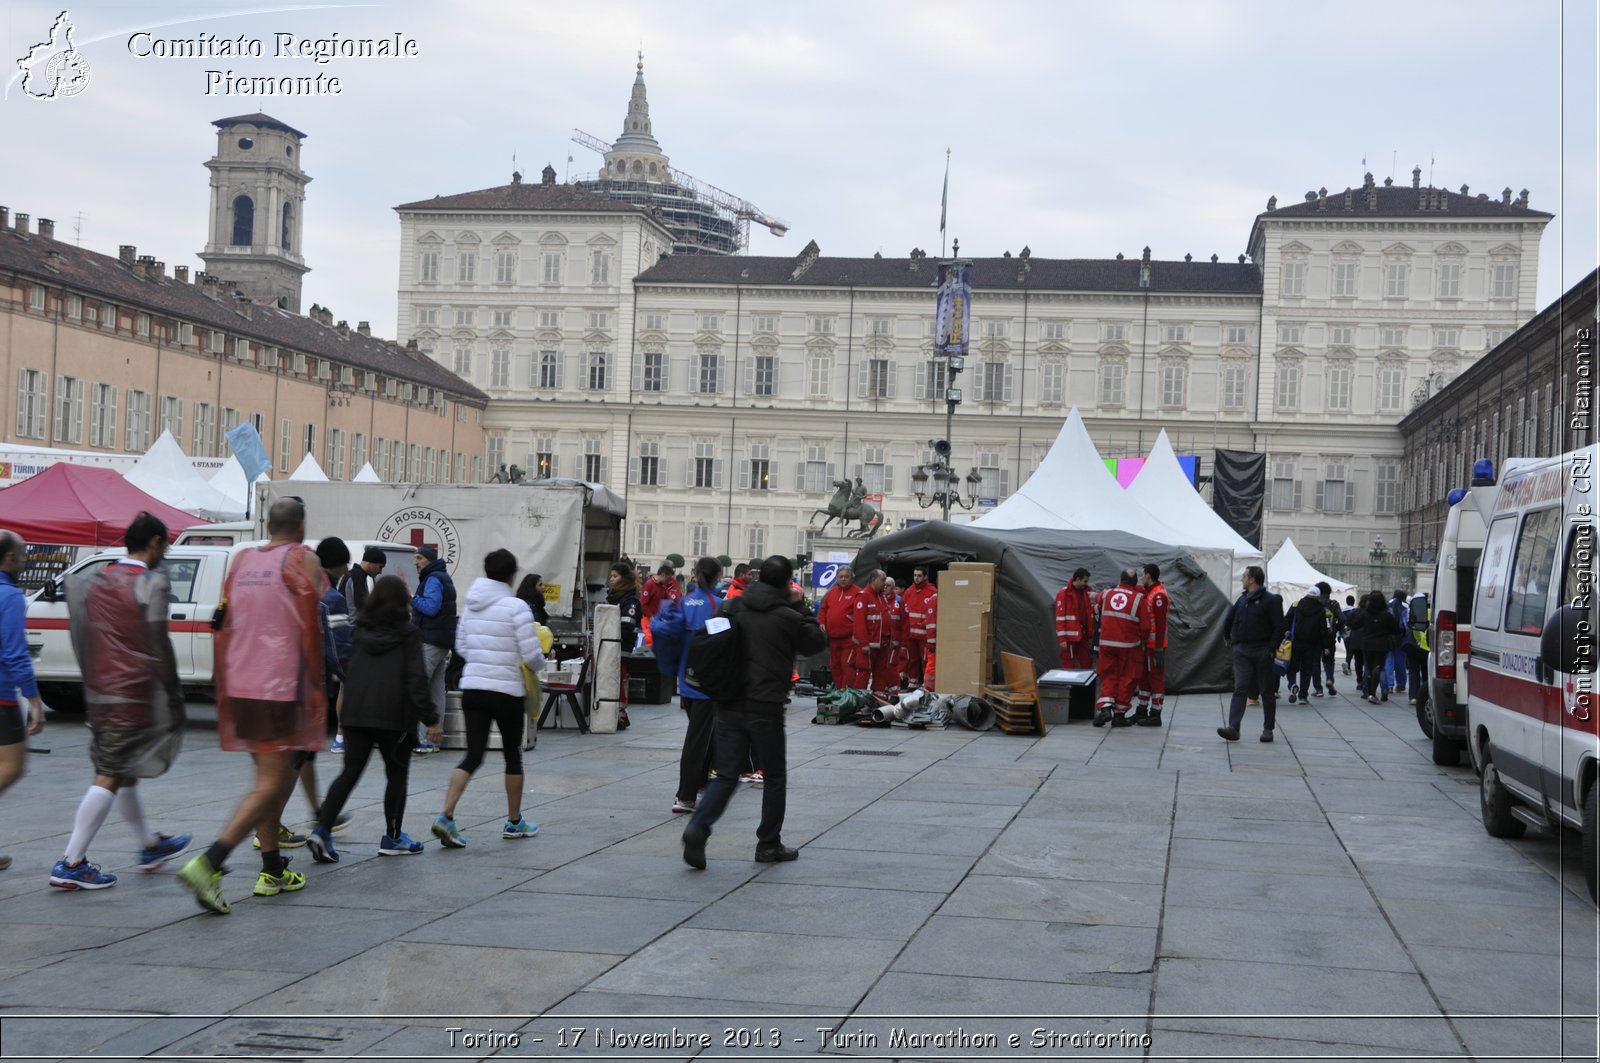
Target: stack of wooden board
point(1016, 701)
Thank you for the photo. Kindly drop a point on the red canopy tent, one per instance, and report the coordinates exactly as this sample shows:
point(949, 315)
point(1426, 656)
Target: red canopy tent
point(77, 505)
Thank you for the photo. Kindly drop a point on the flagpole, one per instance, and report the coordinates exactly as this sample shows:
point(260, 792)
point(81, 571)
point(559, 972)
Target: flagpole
point(944, 201)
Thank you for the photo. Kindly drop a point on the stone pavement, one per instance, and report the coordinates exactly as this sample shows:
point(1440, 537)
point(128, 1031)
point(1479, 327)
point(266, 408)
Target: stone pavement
point(1096, 893)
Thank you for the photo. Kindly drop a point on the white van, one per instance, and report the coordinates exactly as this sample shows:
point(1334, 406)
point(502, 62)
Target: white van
point(1533, 653)
point(196, 573)
point(1443, 713)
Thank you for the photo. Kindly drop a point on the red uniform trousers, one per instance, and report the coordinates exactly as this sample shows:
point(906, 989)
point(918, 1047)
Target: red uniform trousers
point(863, 666)
point(1077, 655)
point(888, 668)
point(839, 661)
point(1153, 684)
point(916, 651)
point(1119, 676)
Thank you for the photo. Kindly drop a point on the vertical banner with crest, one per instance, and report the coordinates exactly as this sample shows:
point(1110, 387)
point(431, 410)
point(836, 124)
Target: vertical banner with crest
point(954, 321)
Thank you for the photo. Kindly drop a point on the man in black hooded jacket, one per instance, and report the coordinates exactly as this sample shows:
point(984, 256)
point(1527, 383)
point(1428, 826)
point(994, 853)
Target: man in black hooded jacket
point(772, 630)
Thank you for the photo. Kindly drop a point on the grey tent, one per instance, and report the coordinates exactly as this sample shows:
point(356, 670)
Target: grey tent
point(1032, 564)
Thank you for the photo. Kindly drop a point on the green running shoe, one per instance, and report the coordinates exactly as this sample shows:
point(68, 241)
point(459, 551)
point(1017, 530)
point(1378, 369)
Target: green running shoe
point(205, 882)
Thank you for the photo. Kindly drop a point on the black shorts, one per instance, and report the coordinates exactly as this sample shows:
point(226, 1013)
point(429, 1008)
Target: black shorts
point(13, 728)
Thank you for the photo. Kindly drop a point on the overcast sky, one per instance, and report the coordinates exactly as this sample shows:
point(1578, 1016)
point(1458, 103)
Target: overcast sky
point(1078, 128)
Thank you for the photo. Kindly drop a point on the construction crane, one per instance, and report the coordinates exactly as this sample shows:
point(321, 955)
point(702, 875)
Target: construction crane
point(743, 211)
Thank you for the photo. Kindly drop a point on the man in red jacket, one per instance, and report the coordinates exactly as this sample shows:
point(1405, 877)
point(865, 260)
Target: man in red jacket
point(869, 632)
point(655, 593)
point(915, 599)
point(1152, 693)
point(1124, 630)
point(891, 668)
point(1075, 622)
point(837, 617)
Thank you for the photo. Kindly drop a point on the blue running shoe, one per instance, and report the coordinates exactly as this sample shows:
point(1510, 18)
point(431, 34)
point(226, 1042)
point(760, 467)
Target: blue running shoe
point(320, 842)
point(165, 848)
point(399, 845)
point(449, 835)
point(85, 876)
point(521, 828)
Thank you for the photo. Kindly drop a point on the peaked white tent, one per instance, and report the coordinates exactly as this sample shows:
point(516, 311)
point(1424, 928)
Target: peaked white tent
point(1072, 489)
point(309, 470)
point(230, 481)
point(367, 475)
point(1163, 487)
point(165, 472)
point(1289, 574)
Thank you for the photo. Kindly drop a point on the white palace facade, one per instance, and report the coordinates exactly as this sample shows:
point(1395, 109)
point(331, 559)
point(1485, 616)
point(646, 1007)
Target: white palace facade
point(724, 394)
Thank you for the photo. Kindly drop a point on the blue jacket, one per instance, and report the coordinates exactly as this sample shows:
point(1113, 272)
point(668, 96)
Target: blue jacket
point(435, 606)
point(1256, 620)
point(16, 665)
point(336, 633)
point(698, 606)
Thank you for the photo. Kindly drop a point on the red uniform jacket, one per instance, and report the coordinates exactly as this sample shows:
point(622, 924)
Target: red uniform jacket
point(836, 614)
point(933, 619)
point(1124, 620)
point(916, 599)
point(1074, 616)
point(654, 593)
point(1157, 603)
point(870, 620)
point(895, 623)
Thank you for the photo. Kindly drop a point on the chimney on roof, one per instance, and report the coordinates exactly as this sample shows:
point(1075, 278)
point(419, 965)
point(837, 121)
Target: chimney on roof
point(1522, 198)
point(547, 176)
point(1349, 196)
point(47, 228)
point(1388, 182)
point(1213, 256)
point(1505, 200)
point(1463, 189)
point(5, 217)
point(365, 328)
point(125, 254)
point(516, 177)
point(1416, 177)
point(22, 219)
point(324, 316)
point(1311, 197)
point(158, 270)
point(1241, 260)
point(412, 349)
point(1322, 199)
point(1366, 181)
point(143, 267)
point(343, 328)
point(181, 274)
point(1119, 256)
point(53, 260)
point(1188, 258)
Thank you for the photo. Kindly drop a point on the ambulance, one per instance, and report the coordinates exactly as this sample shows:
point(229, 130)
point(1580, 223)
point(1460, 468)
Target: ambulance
point(1533, 654)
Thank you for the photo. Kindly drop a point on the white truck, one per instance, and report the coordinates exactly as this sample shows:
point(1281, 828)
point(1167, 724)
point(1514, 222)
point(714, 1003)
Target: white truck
point(567, 531)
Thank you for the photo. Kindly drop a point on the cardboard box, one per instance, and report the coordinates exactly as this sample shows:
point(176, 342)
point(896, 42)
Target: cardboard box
point(966, 628)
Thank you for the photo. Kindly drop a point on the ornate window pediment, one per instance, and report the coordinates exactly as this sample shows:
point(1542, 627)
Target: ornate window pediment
point(1113, 353)
point(501, 336)
point(1346, 247)
point(602, 240)
point(506, 239)
point(1295, 247)
point(552, 240)
point(1505, 251)
point(1450, 249)
point(1173, 353)
point(1398, 251)
point(468, 238)
point(430, 239)
point(1053, 348)
point(1233, 354)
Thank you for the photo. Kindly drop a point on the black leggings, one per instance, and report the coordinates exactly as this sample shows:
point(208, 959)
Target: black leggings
point(506, 711)
point(395, 747)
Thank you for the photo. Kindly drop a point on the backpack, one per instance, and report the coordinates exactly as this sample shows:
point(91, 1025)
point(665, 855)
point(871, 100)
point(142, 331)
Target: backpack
point(715, 661)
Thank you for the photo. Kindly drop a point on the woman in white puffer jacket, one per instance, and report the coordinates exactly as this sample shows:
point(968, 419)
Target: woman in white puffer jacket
point(495, 635)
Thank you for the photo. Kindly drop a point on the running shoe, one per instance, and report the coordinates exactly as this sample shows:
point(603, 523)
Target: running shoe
point(285, 881)
point(165, 848)
point(425, 747)
point(400, 845)
point(287, 839)
point(83, 876)
point(519, 828)
point(338, 744)
point(340, 822)
point(679, 805)
point(205, 882)
point(320, 842)
point(755, 777)
point(444, 828)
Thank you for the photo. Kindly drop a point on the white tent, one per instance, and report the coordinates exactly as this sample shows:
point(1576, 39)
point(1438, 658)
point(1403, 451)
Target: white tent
point(309, 470)
point(165, 472)
point(1289, 574)
point(1073, 489)
point(1163, 487)
point(367, 475)
point(230, 481)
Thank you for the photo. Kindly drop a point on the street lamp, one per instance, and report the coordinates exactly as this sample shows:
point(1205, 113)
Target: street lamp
point(946, 483)
point(1378, 553)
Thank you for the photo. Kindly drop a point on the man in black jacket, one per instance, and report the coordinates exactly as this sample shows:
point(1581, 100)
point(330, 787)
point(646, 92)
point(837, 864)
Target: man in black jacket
point(1254, 627)
point(772, 630)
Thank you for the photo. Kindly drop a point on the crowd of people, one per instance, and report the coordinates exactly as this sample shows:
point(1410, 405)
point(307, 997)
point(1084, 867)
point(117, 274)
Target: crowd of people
point(309, 647)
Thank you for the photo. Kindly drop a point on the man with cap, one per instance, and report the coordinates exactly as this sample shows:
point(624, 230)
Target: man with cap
point(434, 607)
point(357, 582)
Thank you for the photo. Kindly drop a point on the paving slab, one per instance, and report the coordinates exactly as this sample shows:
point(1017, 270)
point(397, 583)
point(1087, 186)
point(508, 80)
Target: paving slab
point(558, 922)
point(1280, 856)
point(735, 965)
point(1056, 900)
point(1039, 950)
point(1269, 891)
point(1363, 942)
point(828, 911)
point(920, 872)
point(933, 839)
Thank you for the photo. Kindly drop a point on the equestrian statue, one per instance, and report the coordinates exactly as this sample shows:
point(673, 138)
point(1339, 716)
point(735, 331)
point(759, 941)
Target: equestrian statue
point(849, 503)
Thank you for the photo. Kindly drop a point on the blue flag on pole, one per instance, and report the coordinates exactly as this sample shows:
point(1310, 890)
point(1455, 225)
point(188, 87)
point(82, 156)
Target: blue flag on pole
point(245, 442)
point(952, 324)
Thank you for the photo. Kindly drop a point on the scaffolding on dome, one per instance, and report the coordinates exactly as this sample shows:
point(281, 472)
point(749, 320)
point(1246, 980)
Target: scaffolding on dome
point(703, 219)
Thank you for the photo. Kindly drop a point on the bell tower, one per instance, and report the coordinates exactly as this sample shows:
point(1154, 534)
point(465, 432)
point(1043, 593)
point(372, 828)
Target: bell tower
point(258, 194)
